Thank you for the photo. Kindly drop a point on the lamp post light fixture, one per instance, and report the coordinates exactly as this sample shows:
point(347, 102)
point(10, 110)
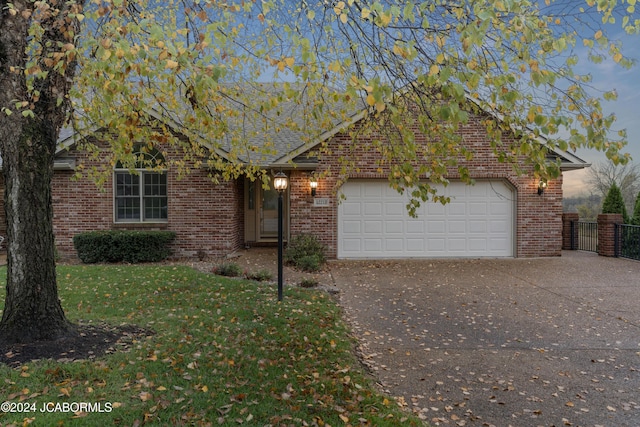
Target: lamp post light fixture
point(314, 185)
point(280, 182)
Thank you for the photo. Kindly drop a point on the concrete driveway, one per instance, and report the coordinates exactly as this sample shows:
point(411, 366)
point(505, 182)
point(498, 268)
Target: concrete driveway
point(514, 342)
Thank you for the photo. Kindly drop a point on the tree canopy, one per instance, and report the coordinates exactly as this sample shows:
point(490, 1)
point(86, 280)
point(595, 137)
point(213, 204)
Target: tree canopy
point(204, 66)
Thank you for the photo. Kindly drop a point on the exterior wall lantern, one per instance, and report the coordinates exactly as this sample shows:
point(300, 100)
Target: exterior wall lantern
point(542, 185)
point(314, 185)
point(280, 182)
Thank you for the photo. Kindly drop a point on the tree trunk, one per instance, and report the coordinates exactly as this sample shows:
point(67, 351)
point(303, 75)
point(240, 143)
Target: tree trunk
point(28, 136)
point(32, 309)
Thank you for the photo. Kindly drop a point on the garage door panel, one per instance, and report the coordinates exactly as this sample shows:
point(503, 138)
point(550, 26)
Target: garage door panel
point(373, 245)
point(352, 227)
point(394, 227)
point(434, 209)
point(394, 209)
point(457, 227)
point(436, 227)
point(415, 227)
point(394, 245)
point(477, 208)
point(351, 245)
point(373, 222)
point(373, 227)
point(351, 209)
point(456, 208)
point(372, 208)
point(415, 245)
point(477, 227)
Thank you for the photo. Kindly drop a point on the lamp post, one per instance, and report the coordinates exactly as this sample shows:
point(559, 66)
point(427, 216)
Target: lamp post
point(280, 182)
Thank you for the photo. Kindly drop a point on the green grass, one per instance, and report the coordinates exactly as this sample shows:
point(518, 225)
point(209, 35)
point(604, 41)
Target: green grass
point(225, 352)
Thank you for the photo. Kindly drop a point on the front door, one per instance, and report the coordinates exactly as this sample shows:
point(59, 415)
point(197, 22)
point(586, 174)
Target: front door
point(261, 213)
point(268, 213)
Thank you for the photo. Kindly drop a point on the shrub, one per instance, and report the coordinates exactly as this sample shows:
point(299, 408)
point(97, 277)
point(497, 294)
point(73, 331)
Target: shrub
point(228, 269)
point(304, 251)
point(262, 275)
point(123, 246)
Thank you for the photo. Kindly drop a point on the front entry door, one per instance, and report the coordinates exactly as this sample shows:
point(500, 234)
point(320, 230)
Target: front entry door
point(261, 213)
point(268, 213)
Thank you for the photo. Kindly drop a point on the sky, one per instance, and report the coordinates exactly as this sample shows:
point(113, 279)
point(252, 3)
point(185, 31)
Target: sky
point(626, 82)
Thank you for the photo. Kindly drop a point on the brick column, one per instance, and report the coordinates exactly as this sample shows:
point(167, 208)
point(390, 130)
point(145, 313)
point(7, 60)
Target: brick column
point(567, 219)
point(606, 233)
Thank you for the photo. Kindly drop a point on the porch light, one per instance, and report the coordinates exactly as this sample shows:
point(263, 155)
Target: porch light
point(314, 185)
point(542, 185)
point(280, 183)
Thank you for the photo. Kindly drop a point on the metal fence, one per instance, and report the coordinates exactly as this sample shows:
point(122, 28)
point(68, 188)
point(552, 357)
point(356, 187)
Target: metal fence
point(627, 241)
point(584, 236)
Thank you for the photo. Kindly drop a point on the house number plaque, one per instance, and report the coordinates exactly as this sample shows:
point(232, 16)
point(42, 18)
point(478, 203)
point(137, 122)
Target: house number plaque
point(321, 202)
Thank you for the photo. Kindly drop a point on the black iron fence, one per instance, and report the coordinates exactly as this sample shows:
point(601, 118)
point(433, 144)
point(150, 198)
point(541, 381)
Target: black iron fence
point(627, 241)
point(584, 236)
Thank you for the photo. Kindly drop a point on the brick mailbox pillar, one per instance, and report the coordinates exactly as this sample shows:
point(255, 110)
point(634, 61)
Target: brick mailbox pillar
point(567, 238)
point(607, 232)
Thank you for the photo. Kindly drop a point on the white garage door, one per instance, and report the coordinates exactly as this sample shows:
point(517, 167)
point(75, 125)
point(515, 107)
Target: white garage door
point(373, 222)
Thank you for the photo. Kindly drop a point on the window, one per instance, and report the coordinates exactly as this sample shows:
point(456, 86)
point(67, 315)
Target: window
point(141, 194)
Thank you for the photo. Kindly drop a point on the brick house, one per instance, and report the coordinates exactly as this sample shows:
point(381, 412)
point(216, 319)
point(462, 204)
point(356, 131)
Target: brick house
point(502, 215)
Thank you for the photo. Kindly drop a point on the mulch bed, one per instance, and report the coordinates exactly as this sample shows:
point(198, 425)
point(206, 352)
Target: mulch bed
point(89, 342)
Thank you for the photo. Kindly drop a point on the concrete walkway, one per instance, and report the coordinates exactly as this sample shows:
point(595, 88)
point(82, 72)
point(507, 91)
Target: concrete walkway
point(515, 342)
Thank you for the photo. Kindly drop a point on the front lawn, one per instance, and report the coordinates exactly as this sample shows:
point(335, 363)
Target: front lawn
point(224, 352)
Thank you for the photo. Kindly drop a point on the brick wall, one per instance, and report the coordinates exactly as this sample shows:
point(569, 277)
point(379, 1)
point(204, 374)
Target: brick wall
point(606, 233)
point(539, 217)
point(568, 230)
point(206, 217)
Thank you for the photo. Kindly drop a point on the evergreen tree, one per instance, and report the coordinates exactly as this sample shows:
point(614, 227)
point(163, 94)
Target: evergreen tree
point(614, 203)
point(636, 212)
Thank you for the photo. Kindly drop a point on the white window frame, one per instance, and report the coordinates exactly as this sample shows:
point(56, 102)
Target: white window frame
point(141, 174)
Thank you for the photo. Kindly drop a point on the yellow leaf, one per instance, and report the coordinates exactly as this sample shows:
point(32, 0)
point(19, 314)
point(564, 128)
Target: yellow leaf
point(289, 61)
point(281, 65)
point(344, 418)
point(617, 57)
point(385, 19)
point(598, 35)
point(171, 64)
point(434, 69)
point(371, 100)
point(343, 18)
point(365, 13)
point(161, 388)
point(205, 389)
point(65, 391)
point(335, 66)
point(145, 396)
point(380, 106)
